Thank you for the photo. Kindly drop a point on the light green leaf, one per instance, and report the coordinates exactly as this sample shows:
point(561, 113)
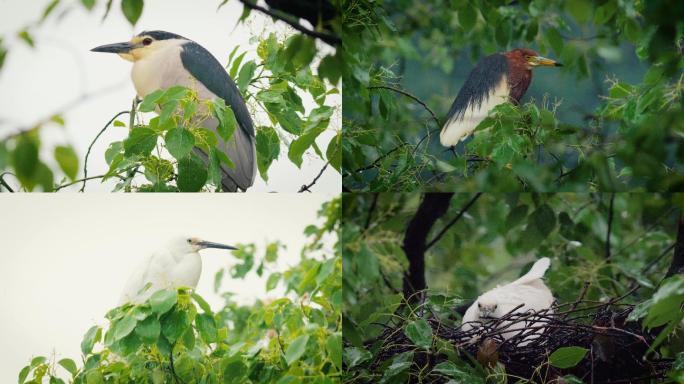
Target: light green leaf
point(162, 301)
point(245, 76)
point(567, 357)
point(91, 337)
point(123, 327)
point(355, 356)
point(268, 149)
point(88, 4)
point(140, 141)
point(420, 332)
point(67, 160)
point(296, 349)
point(69, 365)
point(206, 326)
point(179, 142)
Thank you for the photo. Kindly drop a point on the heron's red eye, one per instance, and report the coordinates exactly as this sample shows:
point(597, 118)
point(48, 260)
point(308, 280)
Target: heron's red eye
point(147, 41)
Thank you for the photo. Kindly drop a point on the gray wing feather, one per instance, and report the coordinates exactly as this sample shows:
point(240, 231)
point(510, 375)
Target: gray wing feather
point(241, 147)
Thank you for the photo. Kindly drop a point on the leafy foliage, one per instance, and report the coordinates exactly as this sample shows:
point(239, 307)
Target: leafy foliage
point(406, 61)
point(288, 72)
point(498, 237)
point(175, 336)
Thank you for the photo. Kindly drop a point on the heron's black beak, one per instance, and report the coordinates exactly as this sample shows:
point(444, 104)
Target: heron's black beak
point(114, 48)
point(210, 244)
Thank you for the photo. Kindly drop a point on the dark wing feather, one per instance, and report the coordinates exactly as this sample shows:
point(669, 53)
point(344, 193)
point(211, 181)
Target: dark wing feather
point(480, 82)
point(205, 68)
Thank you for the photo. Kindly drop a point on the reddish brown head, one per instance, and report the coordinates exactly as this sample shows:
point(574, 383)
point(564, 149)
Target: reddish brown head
point(520, 64)
point(527, 58)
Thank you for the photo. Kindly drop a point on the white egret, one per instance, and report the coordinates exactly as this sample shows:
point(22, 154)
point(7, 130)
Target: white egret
point(528, 291)
point(177, 265)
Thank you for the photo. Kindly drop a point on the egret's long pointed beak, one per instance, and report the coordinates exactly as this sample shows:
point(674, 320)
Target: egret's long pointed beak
point(211, 244)
point(114, 48)
point(539, 60)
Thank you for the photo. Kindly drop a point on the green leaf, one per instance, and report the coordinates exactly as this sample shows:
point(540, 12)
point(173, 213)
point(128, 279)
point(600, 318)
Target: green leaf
point(450, 369)
point(123, 327)
point(148, 330)
point(334, 347)
point(91, 337)
point(273, 280)
point(162, 301)
point(67, 160)
point(227, 124)
point(179, 142)
point(567, 357)
point(192, 173)
point(174, 324)
point(69, 365)
point(580, 10)
point(355, 356)
point(555, 40)
point(267, 148)
point(331, 68)
point(26, 37)
point(206, 326)
point(245, 76)
point(88, 4)
point(201, 302)
point(296, 349)
point(25, 158)
point(420, 332)
point(150, 101)
point(467, 17)
point(23, 374)
point(132, 9)
point(667, 302)
point(334, 152)
point(140, 141)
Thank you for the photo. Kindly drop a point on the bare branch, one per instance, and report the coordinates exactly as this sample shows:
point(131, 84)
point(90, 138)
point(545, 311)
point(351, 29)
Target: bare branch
point(306, 187)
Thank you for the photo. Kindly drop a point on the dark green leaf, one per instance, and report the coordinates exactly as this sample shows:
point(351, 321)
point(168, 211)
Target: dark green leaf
point(132, 9)
point(148, 330)
point(268, 149)
point(192, 173)
point(140, 141)
point(245, 76)
point(206, 326)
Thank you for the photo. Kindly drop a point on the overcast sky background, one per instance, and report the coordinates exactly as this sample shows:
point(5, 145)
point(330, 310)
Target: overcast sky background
point(65, 257)
point(36, 83)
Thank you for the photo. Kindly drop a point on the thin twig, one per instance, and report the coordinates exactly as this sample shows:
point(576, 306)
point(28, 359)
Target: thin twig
point(326, 37)
point(454, 220)
point(85, 162)
point(173, 370)
point(4, 183)
point(78, 181)
point(306, 187)
point(414, 98)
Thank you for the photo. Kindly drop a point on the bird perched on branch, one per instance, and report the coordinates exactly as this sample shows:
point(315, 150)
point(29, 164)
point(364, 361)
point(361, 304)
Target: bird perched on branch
point(496, 79)
point(528, 291)
point(162, 60)
point(177, 265)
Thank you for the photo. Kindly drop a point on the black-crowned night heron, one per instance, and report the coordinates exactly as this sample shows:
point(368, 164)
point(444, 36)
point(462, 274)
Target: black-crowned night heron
point(162, 60)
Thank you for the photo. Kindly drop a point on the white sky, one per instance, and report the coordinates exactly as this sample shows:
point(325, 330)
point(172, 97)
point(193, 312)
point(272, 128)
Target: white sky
point(66, 257)
point(35, 83)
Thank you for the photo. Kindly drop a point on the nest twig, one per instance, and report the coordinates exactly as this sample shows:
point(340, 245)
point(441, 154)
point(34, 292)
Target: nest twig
point(524, 342)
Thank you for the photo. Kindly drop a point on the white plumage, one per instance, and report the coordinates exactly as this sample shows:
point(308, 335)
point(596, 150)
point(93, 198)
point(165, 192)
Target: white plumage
point(528, 290)
point(460, 126)
point(177, 265)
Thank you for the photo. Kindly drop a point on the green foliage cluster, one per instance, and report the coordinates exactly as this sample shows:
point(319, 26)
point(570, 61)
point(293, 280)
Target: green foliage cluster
point(499, 237)
point(276, 83)
point(175, 336)
point(399, 54)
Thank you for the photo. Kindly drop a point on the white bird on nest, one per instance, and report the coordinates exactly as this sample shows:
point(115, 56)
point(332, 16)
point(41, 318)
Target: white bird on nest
point(178, 265)
point(528, 291)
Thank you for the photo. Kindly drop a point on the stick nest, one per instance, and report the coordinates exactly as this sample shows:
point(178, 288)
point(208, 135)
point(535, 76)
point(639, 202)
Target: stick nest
point(616, 347)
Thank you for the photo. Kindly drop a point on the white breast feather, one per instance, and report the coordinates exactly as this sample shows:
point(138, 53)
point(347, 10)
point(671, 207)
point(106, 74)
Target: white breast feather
point(458, 128)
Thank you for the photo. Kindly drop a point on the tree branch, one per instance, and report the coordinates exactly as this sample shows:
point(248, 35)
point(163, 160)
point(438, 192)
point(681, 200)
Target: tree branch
point(4, 183)
point(328, 38)
point(85, 163)
point(306, 187)
point(414, 98)
point(677, 265)
point(610, 226)
point(433, 206)
point(454, 220)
